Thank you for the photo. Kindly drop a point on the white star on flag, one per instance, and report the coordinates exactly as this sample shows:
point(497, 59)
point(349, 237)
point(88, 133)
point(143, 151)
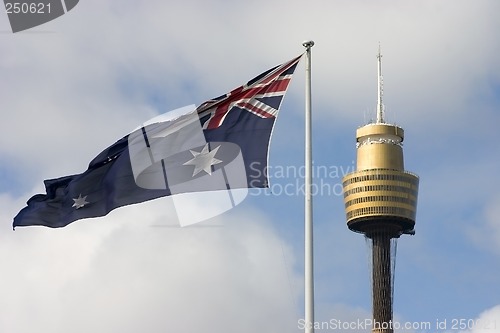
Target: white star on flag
point(80, 202)
point(203, 160)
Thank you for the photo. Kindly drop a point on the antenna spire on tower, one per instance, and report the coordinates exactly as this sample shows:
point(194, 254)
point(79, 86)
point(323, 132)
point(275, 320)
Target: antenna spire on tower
point(380, 91)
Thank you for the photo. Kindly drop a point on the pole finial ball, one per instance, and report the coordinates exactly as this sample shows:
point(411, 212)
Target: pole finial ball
point(308, 43)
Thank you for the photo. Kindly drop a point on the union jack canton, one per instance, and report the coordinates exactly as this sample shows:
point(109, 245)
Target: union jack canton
point(261, 96)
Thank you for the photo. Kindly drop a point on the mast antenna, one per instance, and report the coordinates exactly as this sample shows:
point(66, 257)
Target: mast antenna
point(380, 90)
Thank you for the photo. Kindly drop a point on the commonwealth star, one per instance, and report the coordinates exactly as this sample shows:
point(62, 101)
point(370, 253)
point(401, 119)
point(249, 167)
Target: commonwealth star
point(203, 160)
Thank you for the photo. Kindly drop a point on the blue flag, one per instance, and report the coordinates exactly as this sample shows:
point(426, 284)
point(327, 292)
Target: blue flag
point(222, 144)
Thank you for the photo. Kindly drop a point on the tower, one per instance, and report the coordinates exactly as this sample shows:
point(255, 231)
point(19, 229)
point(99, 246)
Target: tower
point(380, 200)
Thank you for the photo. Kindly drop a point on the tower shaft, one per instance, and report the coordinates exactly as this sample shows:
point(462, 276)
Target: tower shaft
point(381, 282)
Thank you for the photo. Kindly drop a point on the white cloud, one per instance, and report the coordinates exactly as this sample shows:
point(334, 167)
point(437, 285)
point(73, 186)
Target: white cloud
point(134, 271)
point(487, 322)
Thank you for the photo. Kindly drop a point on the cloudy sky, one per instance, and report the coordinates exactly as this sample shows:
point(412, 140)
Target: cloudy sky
point(72, 87)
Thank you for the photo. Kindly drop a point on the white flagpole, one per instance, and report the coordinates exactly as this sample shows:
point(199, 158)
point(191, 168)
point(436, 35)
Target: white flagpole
point(308, 221)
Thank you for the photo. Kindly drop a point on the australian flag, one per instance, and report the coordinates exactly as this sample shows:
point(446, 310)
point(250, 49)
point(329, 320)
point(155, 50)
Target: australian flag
point(220, 145)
